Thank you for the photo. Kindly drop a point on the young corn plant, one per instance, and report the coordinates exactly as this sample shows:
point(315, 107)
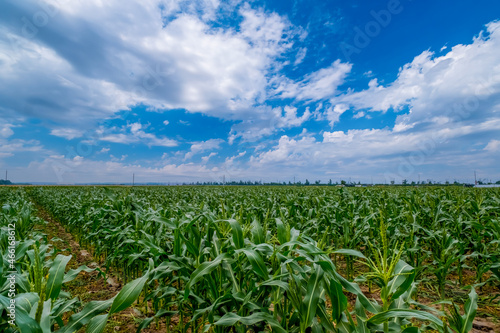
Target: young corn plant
point(259, 258)
point(42, 305)
point(462, 323)
point(444, 253)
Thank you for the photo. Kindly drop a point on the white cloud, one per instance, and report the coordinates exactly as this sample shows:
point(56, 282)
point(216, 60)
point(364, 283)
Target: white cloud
point(67, 133)
point(358, 115)
point(380, 153)
point(116, 159)
point(493, 146)
point(286, 152)
point(6, 130)
point(135, 134)
point(93, 60)
point(316, 86)
point(333, 113)
point(208, 157)
point(301, 54)
point(264, 31)
point(230, 160)
point(104, 150)
point(166, 122)
point(463, 84)
point(290, 118)
point(12, 147)
point(266, 120)
point(202, 146)
point(61, 170)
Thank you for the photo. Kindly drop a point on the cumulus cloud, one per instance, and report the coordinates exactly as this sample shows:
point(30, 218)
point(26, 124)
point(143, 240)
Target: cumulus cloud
point(266, 121)
point(85, 65)
point(12, 147)
point(208, 157)
point(134, 133)
point(444, 102)
point(104, 150)
point(202, 146)
point(333, 113)
point(90, 61)
point(462, 85)
point(493, 146)
point(6, 130)
point(315, 86)
point(230, 160)
point(380, 153)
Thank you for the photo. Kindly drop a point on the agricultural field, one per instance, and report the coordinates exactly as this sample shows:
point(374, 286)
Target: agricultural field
point(251, 259)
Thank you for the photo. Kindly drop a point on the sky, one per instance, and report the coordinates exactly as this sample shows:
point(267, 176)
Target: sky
point(176, 91)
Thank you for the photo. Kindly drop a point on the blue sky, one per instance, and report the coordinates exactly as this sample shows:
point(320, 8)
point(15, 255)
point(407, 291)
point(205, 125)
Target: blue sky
point(181, 91)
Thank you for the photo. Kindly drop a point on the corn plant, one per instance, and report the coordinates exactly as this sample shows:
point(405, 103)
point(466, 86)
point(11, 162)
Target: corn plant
point(272, 259)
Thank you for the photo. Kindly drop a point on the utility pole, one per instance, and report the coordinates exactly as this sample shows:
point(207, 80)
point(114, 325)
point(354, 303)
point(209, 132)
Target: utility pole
point(133, 179)
point(475, 178)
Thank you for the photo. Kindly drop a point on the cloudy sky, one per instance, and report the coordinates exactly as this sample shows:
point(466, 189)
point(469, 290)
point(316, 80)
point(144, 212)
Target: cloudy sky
point(182, 91)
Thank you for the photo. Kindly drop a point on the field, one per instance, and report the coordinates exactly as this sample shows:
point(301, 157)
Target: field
point(250, 259)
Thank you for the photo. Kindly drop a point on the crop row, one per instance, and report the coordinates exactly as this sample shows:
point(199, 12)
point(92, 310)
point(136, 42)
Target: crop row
point(33, 276)
point(284, 259)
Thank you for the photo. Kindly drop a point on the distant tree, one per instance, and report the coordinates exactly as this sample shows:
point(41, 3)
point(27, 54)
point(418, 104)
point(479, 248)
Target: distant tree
point(498, 182)
point(392, 182)
point(404, 182)
point(447, 183)
point(307, 182)
point(343, 182)
point(413, 183)
point(318, 182)
point(330, 182)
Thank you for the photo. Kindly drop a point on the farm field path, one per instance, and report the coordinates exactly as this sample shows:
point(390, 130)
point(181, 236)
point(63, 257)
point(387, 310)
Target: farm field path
point(87, 286)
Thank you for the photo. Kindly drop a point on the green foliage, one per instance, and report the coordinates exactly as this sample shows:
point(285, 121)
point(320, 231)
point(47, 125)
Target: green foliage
point(41, 303)
point(284, 259)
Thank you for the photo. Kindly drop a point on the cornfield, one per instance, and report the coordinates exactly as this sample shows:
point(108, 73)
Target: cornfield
point(263, 259)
